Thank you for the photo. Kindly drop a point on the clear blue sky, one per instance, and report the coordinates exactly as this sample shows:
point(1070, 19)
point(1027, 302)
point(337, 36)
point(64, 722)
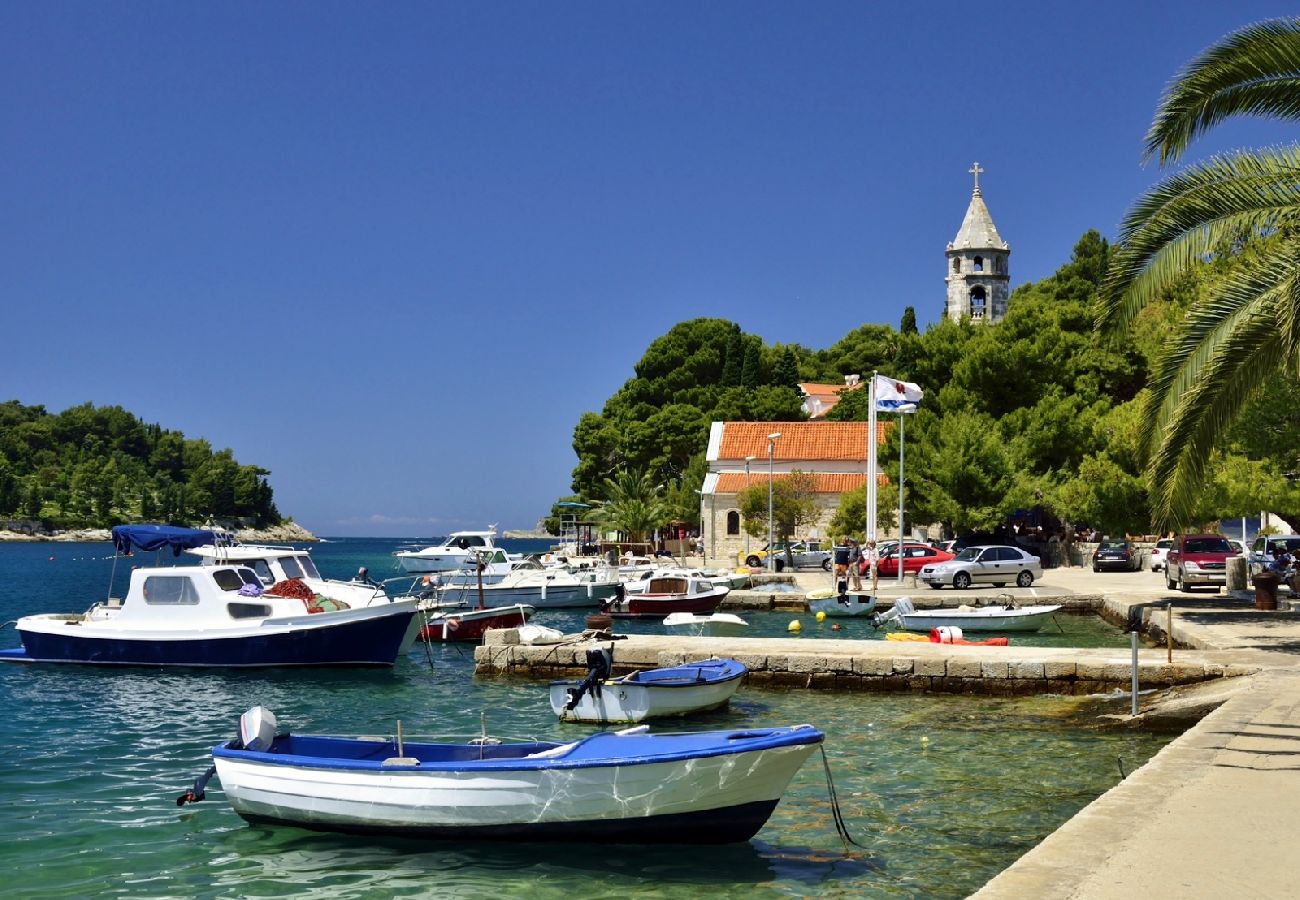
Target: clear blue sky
point(392, 252)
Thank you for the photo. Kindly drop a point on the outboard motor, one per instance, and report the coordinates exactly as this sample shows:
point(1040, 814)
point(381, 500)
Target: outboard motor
point(902, 607)
point(600, 665)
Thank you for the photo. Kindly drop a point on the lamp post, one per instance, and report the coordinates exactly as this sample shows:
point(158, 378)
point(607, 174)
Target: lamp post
point(748, 460)
point(771, 453)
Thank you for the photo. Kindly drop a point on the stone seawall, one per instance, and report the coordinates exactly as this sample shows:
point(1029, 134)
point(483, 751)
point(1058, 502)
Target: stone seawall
point(848, 665)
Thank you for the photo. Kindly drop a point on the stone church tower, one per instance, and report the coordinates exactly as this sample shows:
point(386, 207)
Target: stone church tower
point(978, 283)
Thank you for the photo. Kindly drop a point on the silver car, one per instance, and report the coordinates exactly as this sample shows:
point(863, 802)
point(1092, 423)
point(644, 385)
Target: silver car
point(996, 565)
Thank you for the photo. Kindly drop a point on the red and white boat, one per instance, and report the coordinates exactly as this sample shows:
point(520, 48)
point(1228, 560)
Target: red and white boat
point(664, 594)
point(465, 624)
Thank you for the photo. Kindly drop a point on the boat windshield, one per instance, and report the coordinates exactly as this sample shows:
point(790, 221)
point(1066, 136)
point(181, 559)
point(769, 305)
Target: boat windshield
point(308, 566)
point(291, 567)
point(473, 540)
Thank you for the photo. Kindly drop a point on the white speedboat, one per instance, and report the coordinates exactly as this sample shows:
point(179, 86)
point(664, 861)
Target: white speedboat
point(836, 605)
point(451, 555)
point(275, 565)
point(713, 625)
point(213, 615)
point(1009, 617)
point(645, 694)
point(709, 787)
point(542, 589)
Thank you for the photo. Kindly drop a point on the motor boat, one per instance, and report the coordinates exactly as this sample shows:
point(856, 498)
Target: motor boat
point(839, 605)
point(275, 565)
point(713, 625)
point(630, 786)
point(541, 589)
point(467, 624)
point(212, 615)
point(998, 617)
point(645, 694)
point(668, 593)
point(457, 549)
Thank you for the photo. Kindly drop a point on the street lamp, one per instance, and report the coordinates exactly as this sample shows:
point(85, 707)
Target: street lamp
point(748, 460)
point(771, 452)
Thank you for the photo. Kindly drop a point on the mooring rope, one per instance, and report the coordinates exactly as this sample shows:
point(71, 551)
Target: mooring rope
point(838, 816)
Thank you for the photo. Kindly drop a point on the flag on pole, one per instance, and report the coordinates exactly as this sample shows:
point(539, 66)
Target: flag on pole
point(895, 396)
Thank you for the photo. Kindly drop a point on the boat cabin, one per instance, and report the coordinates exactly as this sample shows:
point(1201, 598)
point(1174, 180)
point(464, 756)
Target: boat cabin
point(164, 598)
point(271, 564)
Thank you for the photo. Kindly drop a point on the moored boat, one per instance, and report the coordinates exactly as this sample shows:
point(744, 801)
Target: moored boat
point(543, 589)
point(998, 617)
point(451, 555)
point(851, 603)
point(669, 593)
point(213, 615)
point(710, 787)
point(713, 625)
point(465, 624)
point(645, 694)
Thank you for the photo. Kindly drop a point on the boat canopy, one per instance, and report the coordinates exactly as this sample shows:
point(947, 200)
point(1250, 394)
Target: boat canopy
point(155, 537)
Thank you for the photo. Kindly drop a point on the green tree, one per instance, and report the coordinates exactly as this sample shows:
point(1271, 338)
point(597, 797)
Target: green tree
point(633, 504)
point(1243, 205)
point(794, 506)
point(851, 515)
point(908, 323)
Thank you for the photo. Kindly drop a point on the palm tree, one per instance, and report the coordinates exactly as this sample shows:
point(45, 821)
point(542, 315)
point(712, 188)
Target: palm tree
point(634, 504)
point(1245, 204)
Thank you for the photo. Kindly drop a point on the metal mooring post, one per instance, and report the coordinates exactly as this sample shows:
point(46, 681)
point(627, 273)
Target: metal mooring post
point(1134, 636)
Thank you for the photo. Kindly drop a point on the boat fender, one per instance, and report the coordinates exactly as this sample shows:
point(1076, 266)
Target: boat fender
point(945, 634)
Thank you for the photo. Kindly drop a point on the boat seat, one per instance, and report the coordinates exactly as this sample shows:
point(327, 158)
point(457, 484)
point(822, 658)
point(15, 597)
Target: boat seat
point(400, 761)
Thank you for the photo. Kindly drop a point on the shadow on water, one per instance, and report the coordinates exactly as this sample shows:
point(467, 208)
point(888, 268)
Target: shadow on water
point(612, 865)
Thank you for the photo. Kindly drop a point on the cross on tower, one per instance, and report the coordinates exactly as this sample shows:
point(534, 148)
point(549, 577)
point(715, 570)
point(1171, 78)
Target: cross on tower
point(975, 170)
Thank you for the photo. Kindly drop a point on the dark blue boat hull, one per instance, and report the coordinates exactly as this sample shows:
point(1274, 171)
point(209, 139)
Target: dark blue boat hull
point(714, 826)
point(361, 642)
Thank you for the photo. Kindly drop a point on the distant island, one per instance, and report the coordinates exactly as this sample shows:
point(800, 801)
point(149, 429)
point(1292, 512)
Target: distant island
point(284, 533)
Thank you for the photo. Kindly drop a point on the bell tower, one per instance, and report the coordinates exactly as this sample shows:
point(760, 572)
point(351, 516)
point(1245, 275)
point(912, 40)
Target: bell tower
point(978, 279)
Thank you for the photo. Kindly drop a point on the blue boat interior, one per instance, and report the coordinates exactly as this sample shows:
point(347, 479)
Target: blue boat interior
point(605, 748)
point(713, 670)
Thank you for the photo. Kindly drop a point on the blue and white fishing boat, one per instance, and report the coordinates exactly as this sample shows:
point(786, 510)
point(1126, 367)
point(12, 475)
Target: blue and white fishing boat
point(211, 615)
point(645, 694)
point(629, 786)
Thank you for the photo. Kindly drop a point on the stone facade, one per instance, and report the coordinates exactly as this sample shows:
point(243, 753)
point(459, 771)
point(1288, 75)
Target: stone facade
point(979, 282)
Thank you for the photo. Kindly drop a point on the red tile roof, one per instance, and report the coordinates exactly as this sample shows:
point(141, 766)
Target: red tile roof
point(823, 483)
point(799, 441)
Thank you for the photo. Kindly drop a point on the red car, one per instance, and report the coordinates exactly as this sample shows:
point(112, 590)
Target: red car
point(915, 555)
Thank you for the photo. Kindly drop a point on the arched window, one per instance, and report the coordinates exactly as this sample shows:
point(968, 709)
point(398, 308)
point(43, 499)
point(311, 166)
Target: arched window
point(977, 299)
point(979, 264)
point(733, 522)
point(956, 263)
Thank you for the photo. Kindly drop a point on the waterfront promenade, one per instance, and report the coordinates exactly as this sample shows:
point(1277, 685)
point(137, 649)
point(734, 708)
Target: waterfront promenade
point(1213, 814)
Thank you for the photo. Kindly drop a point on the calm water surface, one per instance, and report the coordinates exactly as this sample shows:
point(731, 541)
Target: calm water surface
point(944, 791)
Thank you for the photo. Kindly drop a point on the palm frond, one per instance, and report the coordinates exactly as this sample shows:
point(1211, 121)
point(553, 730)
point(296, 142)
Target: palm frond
point(1207, 207)
point(1253, 71)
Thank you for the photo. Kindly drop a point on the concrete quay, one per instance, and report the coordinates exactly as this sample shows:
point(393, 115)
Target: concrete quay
point(1213, 814)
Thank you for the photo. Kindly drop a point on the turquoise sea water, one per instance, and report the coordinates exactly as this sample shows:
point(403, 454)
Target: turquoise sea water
point(945, 791)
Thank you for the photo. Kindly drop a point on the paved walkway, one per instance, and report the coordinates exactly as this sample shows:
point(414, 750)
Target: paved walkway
point(1216, 813)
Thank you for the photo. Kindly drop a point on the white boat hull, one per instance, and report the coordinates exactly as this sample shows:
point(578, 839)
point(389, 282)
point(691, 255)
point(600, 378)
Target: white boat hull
point(673, 800)
point(714, 625)
point(622, 702)
point(853, 605)
point(987, 618)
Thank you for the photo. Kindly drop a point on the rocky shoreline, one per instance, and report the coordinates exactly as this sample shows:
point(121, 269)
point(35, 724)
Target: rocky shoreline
point(287, 533)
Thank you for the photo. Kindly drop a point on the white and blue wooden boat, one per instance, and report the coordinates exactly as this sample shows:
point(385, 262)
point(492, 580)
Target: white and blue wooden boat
point(645, 694)
point(709, 787)
point(212, 615)
point(836, 605)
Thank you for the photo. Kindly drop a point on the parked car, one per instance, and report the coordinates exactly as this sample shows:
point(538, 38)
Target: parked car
point(996, 565)
point(916, 556)
point(1266, 547)
point(1122, 556)
point(1158, 553)
point(806, 554)
point(1197, 559)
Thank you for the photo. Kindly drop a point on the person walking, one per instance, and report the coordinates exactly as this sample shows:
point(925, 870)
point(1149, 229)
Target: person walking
point(871, 557)
point(855, 564)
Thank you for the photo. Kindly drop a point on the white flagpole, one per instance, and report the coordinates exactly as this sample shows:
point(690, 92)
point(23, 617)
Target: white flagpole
point(902, 534)
point(871, 459)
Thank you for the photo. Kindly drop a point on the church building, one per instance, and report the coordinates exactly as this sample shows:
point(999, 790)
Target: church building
point(978, 279)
